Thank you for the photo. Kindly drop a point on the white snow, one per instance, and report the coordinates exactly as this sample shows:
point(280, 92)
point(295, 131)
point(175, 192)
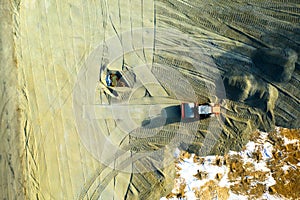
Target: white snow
point(285, 167)
point(270, 181)
point(267, 151)
point(190, 195)
point(262, 137)
point(250, 146)
point(189, 169)
point(233, 196)
point(176, 153)
point(267, 196)
point(224, 182)
point(261, 166)
point(288, 141)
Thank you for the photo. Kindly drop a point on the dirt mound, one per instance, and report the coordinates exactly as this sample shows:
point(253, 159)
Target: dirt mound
point(279, 64)
point(285, 166)
point(211, 190)
point(245, 87)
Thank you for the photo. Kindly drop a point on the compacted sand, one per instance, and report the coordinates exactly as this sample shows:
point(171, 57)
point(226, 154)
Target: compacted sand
point(54, 61)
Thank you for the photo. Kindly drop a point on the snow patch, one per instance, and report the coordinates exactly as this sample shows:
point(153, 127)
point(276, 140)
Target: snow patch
point(288, 141)
point(270, 181)
point(267, 151)
point(285, 167)
point(267, 196)
point(233, 196)
point(189, 169)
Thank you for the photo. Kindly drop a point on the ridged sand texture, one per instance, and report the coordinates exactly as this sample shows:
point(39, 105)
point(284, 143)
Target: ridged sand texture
point(254, 46)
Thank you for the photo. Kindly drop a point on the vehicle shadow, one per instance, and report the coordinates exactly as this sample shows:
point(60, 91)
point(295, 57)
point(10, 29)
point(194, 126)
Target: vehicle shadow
point(168, 115)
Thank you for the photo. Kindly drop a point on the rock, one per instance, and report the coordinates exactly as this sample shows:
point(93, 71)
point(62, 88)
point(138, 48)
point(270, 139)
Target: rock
point(219, 176)
point(233, 167)
point(272, 190)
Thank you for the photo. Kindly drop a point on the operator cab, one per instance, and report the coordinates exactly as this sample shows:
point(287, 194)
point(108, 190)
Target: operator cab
point(190, 111)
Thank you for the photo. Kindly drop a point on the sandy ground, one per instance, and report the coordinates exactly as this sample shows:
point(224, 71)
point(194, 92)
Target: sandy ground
point(49, 49)
point(50, 45)
point(52, 41)
point(11, 163)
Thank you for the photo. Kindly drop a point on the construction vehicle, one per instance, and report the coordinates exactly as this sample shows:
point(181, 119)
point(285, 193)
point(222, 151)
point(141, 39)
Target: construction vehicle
point(114, 79)
point(195, 111)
